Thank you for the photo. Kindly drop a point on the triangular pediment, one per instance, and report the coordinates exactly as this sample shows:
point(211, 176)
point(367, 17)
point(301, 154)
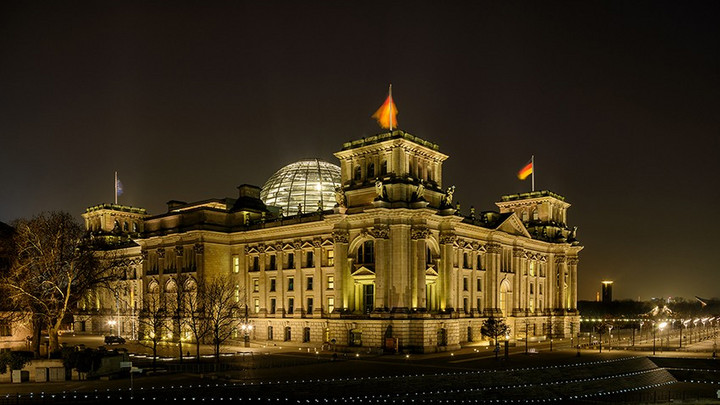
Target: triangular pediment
point(514, 226)
point(362, 271)
point(253, 249)
point(431, 272)
point(307, 244)
point(326, 242)
point(288, 246)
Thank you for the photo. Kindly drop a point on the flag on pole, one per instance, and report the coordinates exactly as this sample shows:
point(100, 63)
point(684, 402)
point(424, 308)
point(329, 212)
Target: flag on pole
point(386, 115)
point(119, 187)
point(526, 170)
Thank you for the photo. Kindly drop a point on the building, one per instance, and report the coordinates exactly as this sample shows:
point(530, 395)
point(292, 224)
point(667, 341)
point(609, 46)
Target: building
point(387, 262)
point(607, 291)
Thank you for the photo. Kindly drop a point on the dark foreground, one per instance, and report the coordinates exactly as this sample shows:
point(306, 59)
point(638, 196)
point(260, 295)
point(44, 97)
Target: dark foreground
point(470, 376)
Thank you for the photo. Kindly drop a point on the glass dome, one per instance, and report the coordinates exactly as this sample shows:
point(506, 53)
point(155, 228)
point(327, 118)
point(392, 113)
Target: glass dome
point(308, 182)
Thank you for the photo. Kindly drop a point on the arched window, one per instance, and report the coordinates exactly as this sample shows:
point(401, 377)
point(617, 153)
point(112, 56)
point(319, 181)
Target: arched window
point(366, 253)
point(535, 215)
point(371, 170)
point(524, 216)
point(383, 167)
point(505, 297)
point(135, 227)
point(126, 227)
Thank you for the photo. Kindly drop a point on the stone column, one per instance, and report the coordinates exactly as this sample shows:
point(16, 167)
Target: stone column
point(561, 271)
point(572, 263)
point(493, 269)
point(445, 294)
point(518, 269)
point(343, 282)
point(385, 265)
point(417, 286)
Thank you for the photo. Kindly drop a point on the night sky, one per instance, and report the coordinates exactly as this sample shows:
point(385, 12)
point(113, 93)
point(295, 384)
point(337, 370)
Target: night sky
point(618, 101)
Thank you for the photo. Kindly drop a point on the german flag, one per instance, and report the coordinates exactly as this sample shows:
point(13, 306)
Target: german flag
point(526, 170)
point(386, 115)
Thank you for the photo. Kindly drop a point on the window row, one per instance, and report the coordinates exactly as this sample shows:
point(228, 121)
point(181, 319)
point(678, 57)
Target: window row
point(290, 283)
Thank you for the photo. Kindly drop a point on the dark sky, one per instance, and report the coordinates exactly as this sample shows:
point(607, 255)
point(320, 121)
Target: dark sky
point(618, 101)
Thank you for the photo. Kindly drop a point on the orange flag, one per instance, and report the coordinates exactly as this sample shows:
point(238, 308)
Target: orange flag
point(386, 115)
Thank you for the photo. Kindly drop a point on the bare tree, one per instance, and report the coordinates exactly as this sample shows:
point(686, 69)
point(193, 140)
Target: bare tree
point(52, 267)
point(221, 307)
point(195, 311)
point(492, 328)
point(153, 320)
point(179, 306)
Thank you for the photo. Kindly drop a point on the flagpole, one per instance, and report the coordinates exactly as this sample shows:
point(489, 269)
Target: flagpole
point(532, 162)
point(115, 188)
point(391, 107)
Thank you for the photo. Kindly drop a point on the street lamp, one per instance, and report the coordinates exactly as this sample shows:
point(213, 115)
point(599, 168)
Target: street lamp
point(246, 327)
point(660, 327)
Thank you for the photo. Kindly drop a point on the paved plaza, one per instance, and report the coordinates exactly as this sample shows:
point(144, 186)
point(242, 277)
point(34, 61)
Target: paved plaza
point(292, 374)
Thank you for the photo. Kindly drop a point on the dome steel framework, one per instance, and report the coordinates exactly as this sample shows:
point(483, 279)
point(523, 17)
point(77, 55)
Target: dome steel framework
point(310, 182)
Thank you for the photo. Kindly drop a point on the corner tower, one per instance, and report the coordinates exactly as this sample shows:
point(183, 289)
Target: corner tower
point(393, 169)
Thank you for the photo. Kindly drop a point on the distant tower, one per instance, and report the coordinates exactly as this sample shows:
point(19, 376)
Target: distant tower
point(607, 291)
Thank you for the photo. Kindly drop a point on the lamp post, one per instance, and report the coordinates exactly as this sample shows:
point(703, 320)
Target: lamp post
point(660, 327)
point(246, 328)
point(507, 348)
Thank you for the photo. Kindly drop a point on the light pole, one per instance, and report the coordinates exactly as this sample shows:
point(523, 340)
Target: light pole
point(660, 327)
point(246, 328)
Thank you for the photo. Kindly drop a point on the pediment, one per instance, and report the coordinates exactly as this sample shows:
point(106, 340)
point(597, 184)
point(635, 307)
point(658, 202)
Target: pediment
point(362, 271)
point(306, 245)
point(253, 249)
point(431, 272)
point(514, 226)
point(327, 242)
point(288, 246)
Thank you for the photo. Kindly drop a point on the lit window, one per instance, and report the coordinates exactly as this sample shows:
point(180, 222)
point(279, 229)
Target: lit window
point(236, 264)
point(256, 285)
point(331, 282)
point(331, 304)
point(257, 305)
point(237, 292)
point(331, 257)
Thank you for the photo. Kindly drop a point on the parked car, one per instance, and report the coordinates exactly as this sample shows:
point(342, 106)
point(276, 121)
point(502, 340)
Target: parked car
point(114, 339)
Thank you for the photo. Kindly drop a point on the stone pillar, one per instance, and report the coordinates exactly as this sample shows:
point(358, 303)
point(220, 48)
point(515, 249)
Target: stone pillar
point(518, 268)
point(572, 263)
point(343, 282)
point(299, 286)
point(561, 272)
point(385, 265)
point(444, 282)
point(418, 236)
point(493, 270)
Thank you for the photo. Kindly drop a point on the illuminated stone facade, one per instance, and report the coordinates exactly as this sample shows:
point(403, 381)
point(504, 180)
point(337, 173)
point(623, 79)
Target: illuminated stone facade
point(392, 264)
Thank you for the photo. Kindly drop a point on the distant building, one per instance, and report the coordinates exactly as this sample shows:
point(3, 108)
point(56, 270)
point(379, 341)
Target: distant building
point(607, 291)
point(383, 257)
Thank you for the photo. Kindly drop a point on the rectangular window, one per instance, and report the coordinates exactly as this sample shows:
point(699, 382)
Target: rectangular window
point(309, 305)
point(256, 285)
point(479, 263)
point(237, 292)
point(479, 304)
point(272, 285)
point(330, 257)
point(331, 304)
point(273, 265)
point(257, 305)
point(291, 261)
point(256, 263)
point(272, 305)
point(479, 284)
point(331, 282)
point(309, 283)
point(291, 284)
point(291, 305)
point(5, 329)
point(465, 305)
point(236, 264)
point(309, 260)
point(465, 283)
